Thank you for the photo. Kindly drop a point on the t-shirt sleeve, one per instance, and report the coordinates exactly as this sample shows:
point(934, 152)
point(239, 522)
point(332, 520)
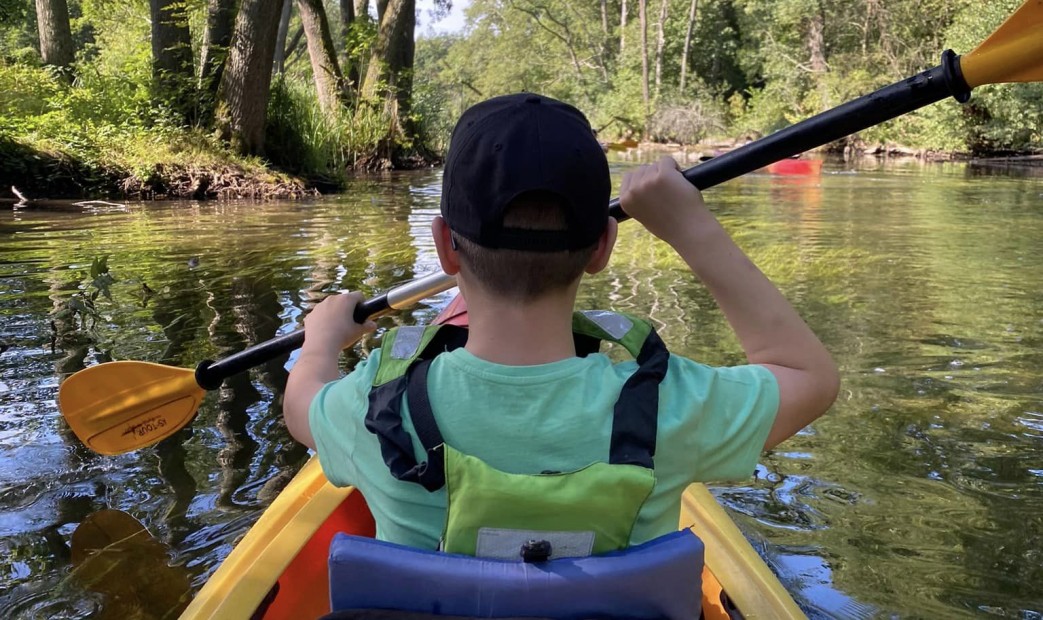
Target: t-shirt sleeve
point(337, 415)
point(715, 420)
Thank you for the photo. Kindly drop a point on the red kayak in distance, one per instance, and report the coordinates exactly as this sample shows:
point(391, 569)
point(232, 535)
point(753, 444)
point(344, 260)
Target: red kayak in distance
point(795, 166)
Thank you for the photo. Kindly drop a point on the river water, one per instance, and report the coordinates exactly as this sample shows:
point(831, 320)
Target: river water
point(919, 495)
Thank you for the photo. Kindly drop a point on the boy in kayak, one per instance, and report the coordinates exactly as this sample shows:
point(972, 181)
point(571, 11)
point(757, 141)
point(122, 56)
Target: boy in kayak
point(524, 215)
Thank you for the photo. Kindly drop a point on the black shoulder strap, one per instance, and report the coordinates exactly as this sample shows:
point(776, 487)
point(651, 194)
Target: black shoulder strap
point(635, 418)
point(432, 473)
point(384, 418)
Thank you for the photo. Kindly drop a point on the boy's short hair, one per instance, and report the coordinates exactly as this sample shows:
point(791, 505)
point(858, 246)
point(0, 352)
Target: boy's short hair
point(521, 275)
point(525, 193)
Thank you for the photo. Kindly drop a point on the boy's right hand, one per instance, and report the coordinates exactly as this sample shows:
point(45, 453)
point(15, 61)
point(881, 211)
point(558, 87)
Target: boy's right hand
point(658, 196)
point(330, 326)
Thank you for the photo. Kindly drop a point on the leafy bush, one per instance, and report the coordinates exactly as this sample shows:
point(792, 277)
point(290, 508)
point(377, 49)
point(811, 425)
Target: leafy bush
point(686, 123)
point(301, 139)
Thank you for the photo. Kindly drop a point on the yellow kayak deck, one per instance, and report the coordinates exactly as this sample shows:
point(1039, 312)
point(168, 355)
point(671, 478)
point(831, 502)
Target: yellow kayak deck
point(290, 542)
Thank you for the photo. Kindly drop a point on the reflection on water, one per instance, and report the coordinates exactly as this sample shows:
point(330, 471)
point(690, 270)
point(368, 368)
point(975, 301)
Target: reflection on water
point(920, 495)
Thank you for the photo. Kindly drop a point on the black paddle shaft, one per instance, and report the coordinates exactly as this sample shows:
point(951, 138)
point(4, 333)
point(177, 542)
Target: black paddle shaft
point(210, 374)
point(889, 102)
point(883, 105)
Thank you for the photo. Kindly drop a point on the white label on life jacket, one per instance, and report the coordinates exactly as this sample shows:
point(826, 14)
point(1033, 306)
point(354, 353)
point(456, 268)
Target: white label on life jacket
point(615, 325)
point(503, 544)
point(407, 341)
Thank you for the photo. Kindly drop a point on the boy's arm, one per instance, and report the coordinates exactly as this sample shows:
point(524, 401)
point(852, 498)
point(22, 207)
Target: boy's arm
point(329, 329)
point(771, 332)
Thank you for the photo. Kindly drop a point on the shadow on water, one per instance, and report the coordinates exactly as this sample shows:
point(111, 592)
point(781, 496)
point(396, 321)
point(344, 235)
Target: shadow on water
point(919, 495)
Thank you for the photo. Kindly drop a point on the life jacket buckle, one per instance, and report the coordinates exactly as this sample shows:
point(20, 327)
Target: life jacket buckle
point(535, 551)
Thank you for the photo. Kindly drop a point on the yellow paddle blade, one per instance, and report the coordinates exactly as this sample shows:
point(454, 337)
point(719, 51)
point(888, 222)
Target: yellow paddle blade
point(1014, 53)
point(122, 406)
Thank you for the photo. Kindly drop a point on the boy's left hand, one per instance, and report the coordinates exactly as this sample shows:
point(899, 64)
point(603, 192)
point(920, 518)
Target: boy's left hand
point(330, 326)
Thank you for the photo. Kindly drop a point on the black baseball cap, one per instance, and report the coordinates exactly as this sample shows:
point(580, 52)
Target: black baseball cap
point(507, 146)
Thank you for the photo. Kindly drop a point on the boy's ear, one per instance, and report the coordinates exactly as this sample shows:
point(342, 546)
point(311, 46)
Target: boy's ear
point(603, 252)
point(443, 238)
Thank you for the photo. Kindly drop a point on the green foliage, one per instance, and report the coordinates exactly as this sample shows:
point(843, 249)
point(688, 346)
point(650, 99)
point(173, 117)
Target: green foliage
point(438, 99)
point(753, 67)
point(12, 12)
point(998, 118)
point(81, 309)
point(18, 32)
point(301, 139)
point(361, 36)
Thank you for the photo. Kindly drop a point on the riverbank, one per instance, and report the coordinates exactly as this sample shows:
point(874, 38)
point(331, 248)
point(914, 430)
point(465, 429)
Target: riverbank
point(692, 154)
point(184, 167)
point(192, 167)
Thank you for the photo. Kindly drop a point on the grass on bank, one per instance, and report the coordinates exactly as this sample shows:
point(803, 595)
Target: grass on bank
point(106, 136)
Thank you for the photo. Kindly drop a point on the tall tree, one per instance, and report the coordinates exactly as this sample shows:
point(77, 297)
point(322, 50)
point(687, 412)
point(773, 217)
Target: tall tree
point(390, 73)
point(243, 94)
point(660, 42)
point(172, 72)
point(561, 28)
point(348, 15)
point(56, 47)
point(622, 24)
point(220, 21)
point(281, 36)
point(692, 8)
point(329, 82)
point(642, 16)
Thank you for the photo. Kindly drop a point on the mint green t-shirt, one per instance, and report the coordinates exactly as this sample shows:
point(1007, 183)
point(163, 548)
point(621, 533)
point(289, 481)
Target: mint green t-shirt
point(713, 423)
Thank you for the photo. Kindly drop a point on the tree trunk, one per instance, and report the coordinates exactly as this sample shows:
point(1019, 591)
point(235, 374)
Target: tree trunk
point(692, 8)
point(281, 35)
point(56, 47)
point(347, 18)
point(172, 72)
point(220, 21)
point(291, 52)
point(391, 65)
point(329, 82)
point(817, 50)
point(817, 45)
point(622, 25)
point(243, 95)
point(361, 9)
point(642, 16)
point(605, 43)
point(660, 42)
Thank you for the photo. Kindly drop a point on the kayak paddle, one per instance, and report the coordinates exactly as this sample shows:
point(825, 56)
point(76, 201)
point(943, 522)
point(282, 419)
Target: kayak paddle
point(118, 407)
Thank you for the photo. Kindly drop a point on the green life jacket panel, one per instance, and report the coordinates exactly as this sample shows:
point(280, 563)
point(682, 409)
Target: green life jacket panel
point(491, 513)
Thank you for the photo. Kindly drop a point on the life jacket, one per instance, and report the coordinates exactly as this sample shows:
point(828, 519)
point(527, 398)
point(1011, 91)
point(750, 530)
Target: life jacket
point(553, 544)
point(591, 510)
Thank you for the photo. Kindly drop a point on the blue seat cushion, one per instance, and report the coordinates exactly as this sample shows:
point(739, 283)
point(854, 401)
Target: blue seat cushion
point(658, 579)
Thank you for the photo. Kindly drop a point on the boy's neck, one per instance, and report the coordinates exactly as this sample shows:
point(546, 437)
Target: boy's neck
point(520, 334)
